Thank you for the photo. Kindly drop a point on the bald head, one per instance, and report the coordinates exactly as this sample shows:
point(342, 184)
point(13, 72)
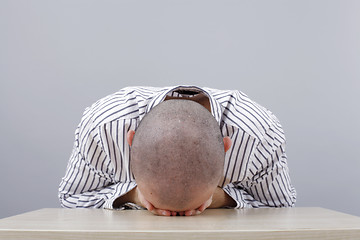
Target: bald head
point(177, 155)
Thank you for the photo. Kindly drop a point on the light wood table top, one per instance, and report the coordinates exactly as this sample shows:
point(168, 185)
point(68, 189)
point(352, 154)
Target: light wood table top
point(268, 223)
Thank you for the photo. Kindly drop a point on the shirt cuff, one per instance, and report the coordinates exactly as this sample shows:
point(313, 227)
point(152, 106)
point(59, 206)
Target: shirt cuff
point(231, 191)
point(121, 189)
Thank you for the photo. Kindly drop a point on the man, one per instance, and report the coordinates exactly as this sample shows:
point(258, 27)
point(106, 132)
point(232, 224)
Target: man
point(177, 151)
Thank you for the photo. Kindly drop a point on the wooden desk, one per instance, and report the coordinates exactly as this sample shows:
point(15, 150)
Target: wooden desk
point(281, 223)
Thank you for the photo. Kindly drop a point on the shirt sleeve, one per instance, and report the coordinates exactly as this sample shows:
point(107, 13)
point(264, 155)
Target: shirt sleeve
point(268, 182)
point(90, 180)
point(85, 187)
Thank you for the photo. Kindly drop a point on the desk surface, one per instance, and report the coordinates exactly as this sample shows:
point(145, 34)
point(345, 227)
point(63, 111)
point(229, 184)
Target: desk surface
point(268, 223)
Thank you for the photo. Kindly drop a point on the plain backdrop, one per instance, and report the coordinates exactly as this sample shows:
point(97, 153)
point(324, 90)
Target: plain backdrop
point(300, 59)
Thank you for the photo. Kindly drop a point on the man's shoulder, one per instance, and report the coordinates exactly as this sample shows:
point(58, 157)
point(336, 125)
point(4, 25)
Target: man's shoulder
point(242, 112)
point(128, 102)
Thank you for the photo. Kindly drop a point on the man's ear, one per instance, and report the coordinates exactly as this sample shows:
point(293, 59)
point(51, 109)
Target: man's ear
point(227, 143)
point(129, 136)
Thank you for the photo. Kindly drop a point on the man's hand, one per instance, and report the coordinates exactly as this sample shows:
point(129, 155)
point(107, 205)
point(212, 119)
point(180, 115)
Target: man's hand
point(162, 212)
point(146, 204)
point(221, 199)
point(217, 200)
point(200, 209)
point(135, 196)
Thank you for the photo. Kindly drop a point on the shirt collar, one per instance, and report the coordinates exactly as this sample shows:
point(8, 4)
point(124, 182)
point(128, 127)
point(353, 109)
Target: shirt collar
point(216, 108)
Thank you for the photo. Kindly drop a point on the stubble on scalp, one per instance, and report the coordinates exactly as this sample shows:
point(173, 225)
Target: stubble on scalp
point(177, 153)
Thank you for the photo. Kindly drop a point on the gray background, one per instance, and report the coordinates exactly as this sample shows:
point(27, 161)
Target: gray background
point(300, 59)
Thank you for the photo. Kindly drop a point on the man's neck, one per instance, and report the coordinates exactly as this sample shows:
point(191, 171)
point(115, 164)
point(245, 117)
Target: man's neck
point(199, 98)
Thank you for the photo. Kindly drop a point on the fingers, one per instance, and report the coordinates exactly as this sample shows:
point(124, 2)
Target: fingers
point(199, 209)
point(161, 212)
point(205, 205)
point(192, 212)
point(174, 213)
point(202, 207)
point(147, 204)
point(152, 209)
point(143, 201)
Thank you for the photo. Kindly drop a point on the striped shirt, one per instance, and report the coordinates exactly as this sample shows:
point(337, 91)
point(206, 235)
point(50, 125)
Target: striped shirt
point(255, 172)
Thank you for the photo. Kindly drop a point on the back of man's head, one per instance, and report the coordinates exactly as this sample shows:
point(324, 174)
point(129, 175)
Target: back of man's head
point(177, 155)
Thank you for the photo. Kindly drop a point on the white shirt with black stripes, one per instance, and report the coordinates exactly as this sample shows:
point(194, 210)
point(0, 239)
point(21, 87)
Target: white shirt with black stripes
point(256, 172)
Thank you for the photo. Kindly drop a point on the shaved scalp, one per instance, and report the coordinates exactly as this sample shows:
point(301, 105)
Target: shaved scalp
point(177, 155)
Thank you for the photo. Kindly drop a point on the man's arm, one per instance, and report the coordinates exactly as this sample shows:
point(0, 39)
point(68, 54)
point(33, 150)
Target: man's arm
point(85, 186)
point(97, 171)
point(136, 197)
point(268, 183)
point(221, 199)
point(218, 200)
point(129, 197)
